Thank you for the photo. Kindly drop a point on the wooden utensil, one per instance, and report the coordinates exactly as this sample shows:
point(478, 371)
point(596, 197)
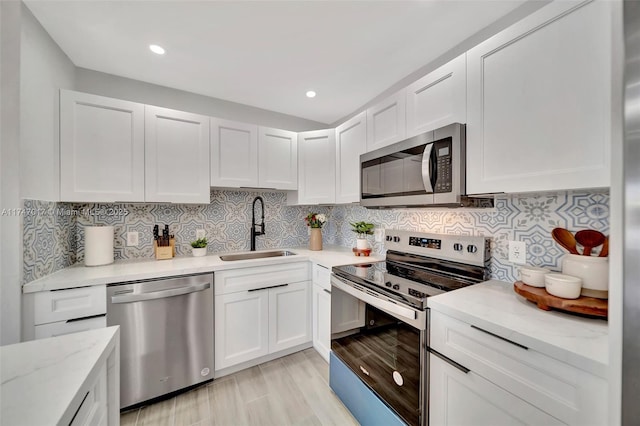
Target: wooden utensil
point(605, 248)
point(588, 238)
point(565, 239)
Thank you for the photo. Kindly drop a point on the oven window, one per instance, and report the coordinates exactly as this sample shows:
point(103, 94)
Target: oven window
point(394, 175)
point(385, 354)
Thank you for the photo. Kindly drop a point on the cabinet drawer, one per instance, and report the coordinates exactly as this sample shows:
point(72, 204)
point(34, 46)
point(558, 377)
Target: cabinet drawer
point(321, 276)
point(61, 328)
point(61, 305)
point(565, 392)
point(253, 278)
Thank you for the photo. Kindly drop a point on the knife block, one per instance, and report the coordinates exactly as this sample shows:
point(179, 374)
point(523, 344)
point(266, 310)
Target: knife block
point(166, 252)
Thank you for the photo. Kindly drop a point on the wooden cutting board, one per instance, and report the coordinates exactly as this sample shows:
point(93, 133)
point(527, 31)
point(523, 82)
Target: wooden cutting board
point(582, 305)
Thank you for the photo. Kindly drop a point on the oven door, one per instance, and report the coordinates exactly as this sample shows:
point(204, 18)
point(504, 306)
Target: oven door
point(386, 351)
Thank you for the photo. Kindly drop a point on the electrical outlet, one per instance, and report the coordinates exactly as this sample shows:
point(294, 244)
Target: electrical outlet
point(132, 238)
point(378, 235)
point(201, 233)
point(518, 252)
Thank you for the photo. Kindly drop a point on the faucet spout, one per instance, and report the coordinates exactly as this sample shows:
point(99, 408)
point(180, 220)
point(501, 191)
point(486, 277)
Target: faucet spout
point(254, 232)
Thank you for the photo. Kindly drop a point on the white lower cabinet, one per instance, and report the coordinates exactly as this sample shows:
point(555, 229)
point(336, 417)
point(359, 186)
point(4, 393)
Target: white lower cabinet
point(93, 410)
point(261, 311)
point(321, 320)
point(506, 382)
point(467, 399)
point(241, 327)
point(289, 316)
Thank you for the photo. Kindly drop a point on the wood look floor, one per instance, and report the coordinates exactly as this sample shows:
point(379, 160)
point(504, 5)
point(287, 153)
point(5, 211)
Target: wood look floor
point(293, 390)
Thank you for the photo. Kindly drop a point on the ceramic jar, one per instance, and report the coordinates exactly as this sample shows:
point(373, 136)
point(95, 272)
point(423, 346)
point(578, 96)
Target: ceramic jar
point(594, 272)
point(199, 252)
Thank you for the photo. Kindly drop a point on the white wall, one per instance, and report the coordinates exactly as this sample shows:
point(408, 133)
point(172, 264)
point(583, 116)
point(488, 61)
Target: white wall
point(44, 69)
point(134, 90)
point(10, 225)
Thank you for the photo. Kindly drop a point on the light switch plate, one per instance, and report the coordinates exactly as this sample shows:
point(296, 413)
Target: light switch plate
point(378, 235)
point(200, 233)
point(132, 239)
point(518, 252)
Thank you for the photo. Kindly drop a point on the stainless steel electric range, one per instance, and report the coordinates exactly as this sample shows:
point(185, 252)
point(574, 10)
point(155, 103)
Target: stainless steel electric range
point(379, 366)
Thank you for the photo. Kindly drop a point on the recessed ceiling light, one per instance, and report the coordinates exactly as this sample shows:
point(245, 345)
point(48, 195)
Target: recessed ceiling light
point(156, 49)
point(311, 94)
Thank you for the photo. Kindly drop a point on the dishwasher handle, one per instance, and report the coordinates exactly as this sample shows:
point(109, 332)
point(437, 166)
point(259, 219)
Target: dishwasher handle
point(129, 298)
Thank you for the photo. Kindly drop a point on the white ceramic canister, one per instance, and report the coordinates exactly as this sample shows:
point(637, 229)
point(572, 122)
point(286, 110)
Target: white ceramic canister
point(594, 272)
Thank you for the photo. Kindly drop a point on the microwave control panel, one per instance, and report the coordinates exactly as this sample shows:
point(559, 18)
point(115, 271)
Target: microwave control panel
point(444, 163)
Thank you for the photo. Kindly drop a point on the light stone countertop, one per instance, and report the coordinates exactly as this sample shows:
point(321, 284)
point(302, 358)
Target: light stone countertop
point(79, 275)
point(495, 307)
point(44, 381)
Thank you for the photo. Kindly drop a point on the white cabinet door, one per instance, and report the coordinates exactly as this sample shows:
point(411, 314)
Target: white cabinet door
point(539, 108)
point(347, 312)
point(289, 315)
point(321, 323)
point(316, 167)
point(278, 159)
point(386, 121)
point(101, 148)
point(439, 98)
point(176, 156)
point(241, 327)
point(351, 141)
point(234, 154)
point(460, 399)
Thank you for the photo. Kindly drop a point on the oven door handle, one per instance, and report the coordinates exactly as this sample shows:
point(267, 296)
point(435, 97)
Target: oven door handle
point(373, 299)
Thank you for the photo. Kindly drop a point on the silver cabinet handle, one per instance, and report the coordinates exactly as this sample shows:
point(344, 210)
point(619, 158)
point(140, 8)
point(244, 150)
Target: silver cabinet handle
point(159, 294)
point(500, 337)
point(267, 288)
point(448, 360)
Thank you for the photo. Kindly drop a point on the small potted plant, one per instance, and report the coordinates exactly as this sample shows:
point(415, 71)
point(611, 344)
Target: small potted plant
point(362, 229)
point(199, 247)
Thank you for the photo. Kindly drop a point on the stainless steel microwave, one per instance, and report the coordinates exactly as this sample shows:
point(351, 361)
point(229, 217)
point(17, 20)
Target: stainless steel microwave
point(425, 170)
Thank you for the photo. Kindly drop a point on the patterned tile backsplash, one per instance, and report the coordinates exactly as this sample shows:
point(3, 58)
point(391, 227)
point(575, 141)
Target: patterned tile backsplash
point(49, 238)
point(52, 242)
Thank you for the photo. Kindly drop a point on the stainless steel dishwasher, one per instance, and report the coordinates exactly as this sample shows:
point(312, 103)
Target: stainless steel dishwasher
point(166, 335)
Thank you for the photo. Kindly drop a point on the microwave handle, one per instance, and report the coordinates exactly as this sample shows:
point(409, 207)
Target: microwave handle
point(428, 168)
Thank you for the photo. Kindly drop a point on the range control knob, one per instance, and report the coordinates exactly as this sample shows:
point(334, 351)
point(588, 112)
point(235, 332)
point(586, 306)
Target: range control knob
point(471, 248)
point(388, 238)
point(388, 283)
point(396, 239)
point(396, 287)
point(457, 247)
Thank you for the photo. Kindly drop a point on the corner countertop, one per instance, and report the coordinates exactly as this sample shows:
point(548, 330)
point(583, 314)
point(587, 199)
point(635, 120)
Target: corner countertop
point(44, 381)
point(495, 307)
point(131, 270)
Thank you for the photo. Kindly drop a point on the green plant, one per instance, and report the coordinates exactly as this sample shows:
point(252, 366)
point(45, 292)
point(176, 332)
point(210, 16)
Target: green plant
point(362, 228)
point(199, 243)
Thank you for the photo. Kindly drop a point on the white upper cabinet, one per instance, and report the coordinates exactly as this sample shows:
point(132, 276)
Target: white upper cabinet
point(539, 107)
point(234, 154)
point(101, 148)
point(438, 99)
point(176, 156)
point(278, 158)
point(351, 141)
point(386, 121)
point(316, 168)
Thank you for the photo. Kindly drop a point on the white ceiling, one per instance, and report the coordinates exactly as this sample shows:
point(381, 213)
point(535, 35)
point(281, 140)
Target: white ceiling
point(266, 53)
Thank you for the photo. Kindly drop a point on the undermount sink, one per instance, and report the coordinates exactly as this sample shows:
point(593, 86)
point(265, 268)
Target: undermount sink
point(257, 255)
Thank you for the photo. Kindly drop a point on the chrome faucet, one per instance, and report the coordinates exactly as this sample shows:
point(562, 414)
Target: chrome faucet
point(255, 233)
